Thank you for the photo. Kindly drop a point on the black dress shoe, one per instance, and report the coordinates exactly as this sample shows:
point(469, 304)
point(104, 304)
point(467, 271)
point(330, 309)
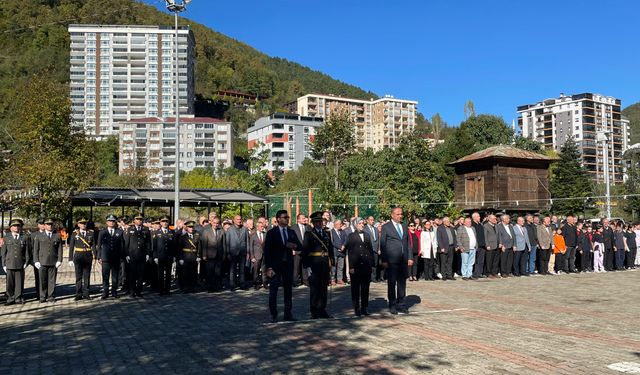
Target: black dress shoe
point(357, 311)
point(452, 278)
point(364, 311)
point(274, 319)
point(393, 310)
point(325, 315)
point(403, 310)
point(43, 300)
point(9, 303)
point(77, 298)
point(289, 318)
point(88, 298)
point(20, 301)
point(104, 297)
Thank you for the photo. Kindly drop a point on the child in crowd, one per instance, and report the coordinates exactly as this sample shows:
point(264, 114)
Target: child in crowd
point(598, 250)
point(559, 249)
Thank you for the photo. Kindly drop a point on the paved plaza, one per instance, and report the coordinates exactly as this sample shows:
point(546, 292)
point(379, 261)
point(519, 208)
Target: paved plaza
point(570, 324)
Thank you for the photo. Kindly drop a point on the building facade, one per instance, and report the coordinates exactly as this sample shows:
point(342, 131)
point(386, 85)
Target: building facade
point(122, 72)
point(378, 123)
point(286, 136)
point(581, 117)
point(151, 143)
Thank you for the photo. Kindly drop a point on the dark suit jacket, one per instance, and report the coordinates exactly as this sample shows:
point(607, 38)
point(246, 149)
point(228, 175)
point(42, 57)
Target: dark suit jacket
point(110, 249)
point(338, 242)
point(375, 238)
point(47, 250)
point(296, 229)
point(276, 254)
point(443, 238)
point(394, 249)
point(137, 243)
point(256, 247)
point(164, 246)
point(503, 237)
point(360, 253)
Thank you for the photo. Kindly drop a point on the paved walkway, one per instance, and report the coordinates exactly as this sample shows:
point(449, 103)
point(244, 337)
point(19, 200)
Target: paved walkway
point(571, 324)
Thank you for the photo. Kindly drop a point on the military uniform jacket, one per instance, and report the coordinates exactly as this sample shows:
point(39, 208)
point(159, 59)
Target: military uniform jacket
point(189, 247)
point(316, 242)
point(163, 245)
point(32, 245)
point(212, 243)
point(110, 248)
point(16, 252)
point(137, 243)
point(82, 244)
point(47, 250)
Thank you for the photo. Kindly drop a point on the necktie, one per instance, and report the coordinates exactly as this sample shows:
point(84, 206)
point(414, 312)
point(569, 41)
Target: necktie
point(190, 236)
point(111, 232)
point(15, 236)
point(302, 231)
point(49, 234)
point(399, 229)
point(260, 236)
point(283, 232)
point(373, 233)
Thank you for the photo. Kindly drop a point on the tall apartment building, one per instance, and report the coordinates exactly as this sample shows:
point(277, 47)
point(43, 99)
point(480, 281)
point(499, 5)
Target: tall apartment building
point(124, 72)
point(151, 143)
point(378, 123)
point(581, 117)
point(286, 136)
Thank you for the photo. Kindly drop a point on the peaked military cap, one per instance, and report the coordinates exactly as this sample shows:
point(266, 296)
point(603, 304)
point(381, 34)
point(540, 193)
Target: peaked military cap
point(82, 220)
point(16, 222)
point(112, 218)
point(48, 221)
point(190, 224)
point(316, 216)
point(40, 220)
point(164, 218)
point(138, 217)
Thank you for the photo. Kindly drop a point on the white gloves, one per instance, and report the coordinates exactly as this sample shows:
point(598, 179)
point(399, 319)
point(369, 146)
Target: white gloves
point(58, 263)
point(5, 269)
point(24, 267)
point(308, 271)
point(37, 264)
point(155, 260)
point(147, 258)
point(70, 263)
point(198, 260)
point(181, 262)
point(128, 258)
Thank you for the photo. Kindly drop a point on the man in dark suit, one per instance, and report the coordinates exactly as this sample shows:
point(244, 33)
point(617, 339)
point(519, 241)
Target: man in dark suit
point(317, 256)
point(446, 236)
point(338, 239)
point(256, 251)
point(164, 247)
point(299, 277)
point(371, 229)
point(394, 250)
point(506, 240)
point(48, 257)
point(360, 254)
point(280, 246)
point(110, 249)
point(15, 258)
point(609, 241)
point(212, 249)
point(137, 245)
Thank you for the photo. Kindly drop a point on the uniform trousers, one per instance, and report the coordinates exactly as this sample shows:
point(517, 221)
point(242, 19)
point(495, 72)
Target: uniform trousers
point(110, 270)
point(135, 275)
point(47, 282)
point(82, 264)
point(15, 284)
point(164, 276)
point(318, 282)
point(189, 276)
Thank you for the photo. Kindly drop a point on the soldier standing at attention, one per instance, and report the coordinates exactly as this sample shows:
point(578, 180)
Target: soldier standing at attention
point(317, 256)
point(110, 251)
point(137, 245)
point(151, 268)
point(81, 255)
point(189, 258)
point(47, 251)
point(163, 246)
point(36, 273)
point(15, 258)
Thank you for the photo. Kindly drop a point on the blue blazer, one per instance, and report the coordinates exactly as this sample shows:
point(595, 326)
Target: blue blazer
point(394, 249)
point(521, 240)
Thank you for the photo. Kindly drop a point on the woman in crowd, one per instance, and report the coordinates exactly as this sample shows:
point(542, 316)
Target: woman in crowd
point(630, 247)
point(428, 248)
point(598, 250)
point(619, 251)
point(414, 247)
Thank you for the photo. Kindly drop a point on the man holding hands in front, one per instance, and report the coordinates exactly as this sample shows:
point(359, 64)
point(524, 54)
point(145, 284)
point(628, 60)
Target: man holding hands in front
point(394, 250)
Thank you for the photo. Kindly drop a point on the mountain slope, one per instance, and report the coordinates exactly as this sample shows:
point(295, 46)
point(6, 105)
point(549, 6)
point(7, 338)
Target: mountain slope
point(35, 41)
point(632, 112)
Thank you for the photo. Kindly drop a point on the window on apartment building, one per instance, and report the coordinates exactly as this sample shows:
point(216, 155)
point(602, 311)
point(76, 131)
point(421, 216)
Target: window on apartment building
point(290, 146)
point(306, 130)
point(291, 165)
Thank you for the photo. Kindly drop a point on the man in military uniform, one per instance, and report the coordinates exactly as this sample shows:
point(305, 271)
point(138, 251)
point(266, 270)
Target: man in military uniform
point(151, 268)
point(189, 255)
point(212, 253)
point(317, 254)
point(163, 247)
point(15, 258)
point(110, 252)
point(32, 261)
point(47, 251)
point(123, 281)
point(137, 246)
point(81, 254)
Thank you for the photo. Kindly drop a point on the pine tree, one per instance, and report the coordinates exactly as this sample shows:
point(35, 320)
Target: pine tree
point(569, 179)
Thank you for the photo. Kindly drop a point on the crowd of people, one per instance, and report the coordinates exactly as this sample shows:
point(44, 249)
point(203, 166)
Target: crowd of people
point(212, 255)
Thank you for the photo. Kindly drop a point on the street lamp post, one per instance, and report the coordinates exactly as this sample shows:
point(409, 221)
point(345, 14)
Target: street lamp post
point(602, 136)
point(175, 7)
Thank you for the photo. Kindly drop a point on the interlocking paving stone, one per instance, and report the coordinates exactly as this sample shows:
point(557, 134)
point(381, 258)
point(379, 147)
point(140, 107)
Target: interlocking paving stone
point(555, 324)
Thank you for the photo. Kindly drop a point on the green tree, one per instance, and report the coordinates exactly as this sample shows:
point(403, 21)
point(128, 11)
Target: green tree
point(334, 142)
point(632, 185)
point(437, 125)
point(526, 143)
point(469, 109)
point(48, 157)
point(569, 179)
